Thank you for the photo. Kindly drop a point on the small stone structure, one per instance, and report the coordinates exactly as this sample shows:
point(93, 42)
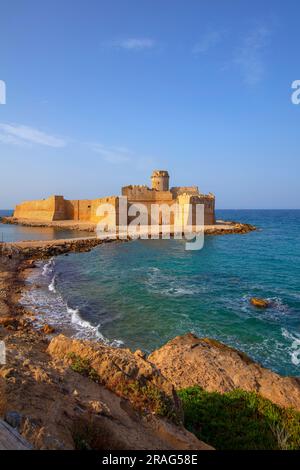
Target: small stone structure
point(57, 208)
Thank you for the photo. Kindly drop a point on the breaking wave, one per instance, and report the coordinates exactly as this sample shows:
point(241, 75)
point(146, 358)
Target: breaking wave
point(51, 286)
point(294, 349)
point(49, 306)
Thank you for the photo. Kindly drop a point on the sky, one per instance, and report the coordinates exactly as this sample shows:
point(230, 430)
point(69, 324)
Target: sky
point(101, 92)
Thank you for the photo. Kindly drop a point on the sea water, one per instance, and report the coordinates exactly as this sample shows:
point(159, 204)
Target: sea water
point(16, 233)
point(140, 294)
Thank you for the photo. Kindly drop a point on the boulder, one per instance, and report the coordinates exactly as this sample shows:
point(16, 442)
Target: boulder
point(187, 361)
point(259, 303)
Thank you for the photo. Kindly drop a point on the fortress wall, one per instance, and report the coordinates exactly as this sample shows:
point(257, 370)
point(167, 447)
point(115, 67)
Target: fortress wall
point(113, 201)
point(71, 209)
point(78, 209)
point(43, 209)
point(209, 206)
point(59, 208)
point(148, 205)
point(145, 194)
point(147, 197)
point(178, 190)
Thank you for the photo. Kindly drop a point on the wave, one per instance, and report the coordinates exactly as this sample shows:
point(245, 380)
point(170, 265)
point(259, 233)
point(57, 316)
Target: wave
point(295, 346)
point(48, 268)
point(78, 320)
point(171, 286)
point(50, 306)
point(52, 285)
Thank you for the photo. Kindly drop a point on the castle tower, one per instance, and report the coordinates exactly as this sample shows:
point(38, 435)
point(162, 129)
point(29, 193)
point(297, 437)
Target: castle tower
point(160, 180)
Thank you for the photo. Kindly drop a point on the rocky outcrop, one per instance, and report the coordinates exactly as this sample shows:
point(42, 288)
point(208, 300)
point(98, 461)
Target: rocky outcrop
point(68, 395)
point(125, 373)
point(188, 360)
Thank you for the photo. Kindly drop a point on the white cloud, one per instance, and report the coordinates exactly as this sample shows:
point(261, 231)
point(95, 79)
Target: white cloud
point(250, 55)
point(114, 155)
point(134, 44)
point(208, 41)
point(122, 156)
point(18, 134)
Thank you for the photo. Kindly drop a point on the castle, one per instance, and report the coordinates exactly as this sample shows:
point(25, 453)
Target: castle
point(58, 208)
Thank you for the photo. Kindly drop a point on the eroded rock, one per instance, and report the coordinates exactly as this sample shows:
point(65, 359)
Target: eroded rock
point(188, 360)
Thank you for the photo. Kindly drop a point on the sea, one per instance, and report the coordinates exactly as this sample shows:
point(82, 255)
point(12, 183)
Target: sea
point(142, 293)
point(16, 233)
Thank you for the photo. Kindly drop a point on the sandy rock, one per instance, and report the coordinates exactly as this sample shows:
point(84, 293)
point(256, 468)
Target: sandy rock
point(123, 372)
point(188, 360)
point(141, 354)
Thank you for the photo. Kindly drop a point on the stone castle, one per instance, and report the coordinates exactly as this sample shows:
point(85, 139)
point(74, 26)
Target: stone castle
point(58, 208)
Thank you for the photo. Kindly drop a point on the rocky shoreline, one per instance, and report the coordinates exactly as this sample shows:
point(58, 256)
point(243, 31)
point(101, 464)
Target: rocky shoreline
point(62, 393)
point(220, 228)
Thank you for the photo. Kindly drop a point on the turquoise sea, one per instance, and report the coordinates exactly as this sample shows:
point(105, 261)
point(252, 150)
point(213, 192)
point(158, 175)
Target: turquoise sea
point(142, 293)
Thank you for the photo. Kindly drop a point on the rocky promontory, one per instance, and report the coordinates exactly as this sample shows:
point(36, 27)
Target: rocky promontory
point(188, 360)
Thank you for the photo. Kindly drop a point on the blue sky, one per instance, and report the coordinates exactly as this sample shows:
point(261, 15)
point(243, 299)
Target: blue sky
point(99, 93)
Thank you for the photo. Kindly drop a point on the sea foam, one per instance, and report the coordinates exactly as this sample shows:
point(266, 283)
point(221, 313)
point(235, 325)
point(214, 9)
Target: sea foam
point(295, 346)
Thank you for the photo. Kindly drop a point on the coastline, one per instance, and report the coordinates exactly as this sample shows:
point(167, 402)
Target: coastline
point(52, 401)
point(220, 228)
point(38, 367)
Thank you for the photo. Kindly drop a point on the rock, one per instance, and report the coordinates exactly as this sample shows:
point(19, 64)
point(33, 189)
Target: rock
point(260, 303)
point(48, 329)
point(121, 371)
point(98, 407)
point(121, 396)
point(8, 322)
point(14, 419)
point(141, 354)
point(187, 361)
point(7, 373)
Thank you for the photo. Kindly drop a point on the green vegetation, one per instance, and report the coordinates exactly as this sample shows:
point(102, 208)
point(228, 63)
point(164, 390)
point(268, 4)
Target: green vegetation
point(83, 367)
point(148, 397)
point(239, 420)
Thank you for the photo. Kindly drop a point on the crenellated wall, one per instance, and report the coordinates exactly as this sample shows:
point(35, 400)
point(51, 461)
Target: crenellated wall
point(58, 208)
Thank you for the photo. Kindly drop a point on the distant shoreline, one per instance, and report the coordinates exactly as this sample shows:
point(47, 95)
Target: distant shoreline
point(220, 228)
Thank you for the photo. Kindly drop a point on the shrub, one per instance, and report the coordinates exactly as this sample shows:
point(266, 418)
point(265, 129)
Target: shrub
point(239, 420)
point(83, 367)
